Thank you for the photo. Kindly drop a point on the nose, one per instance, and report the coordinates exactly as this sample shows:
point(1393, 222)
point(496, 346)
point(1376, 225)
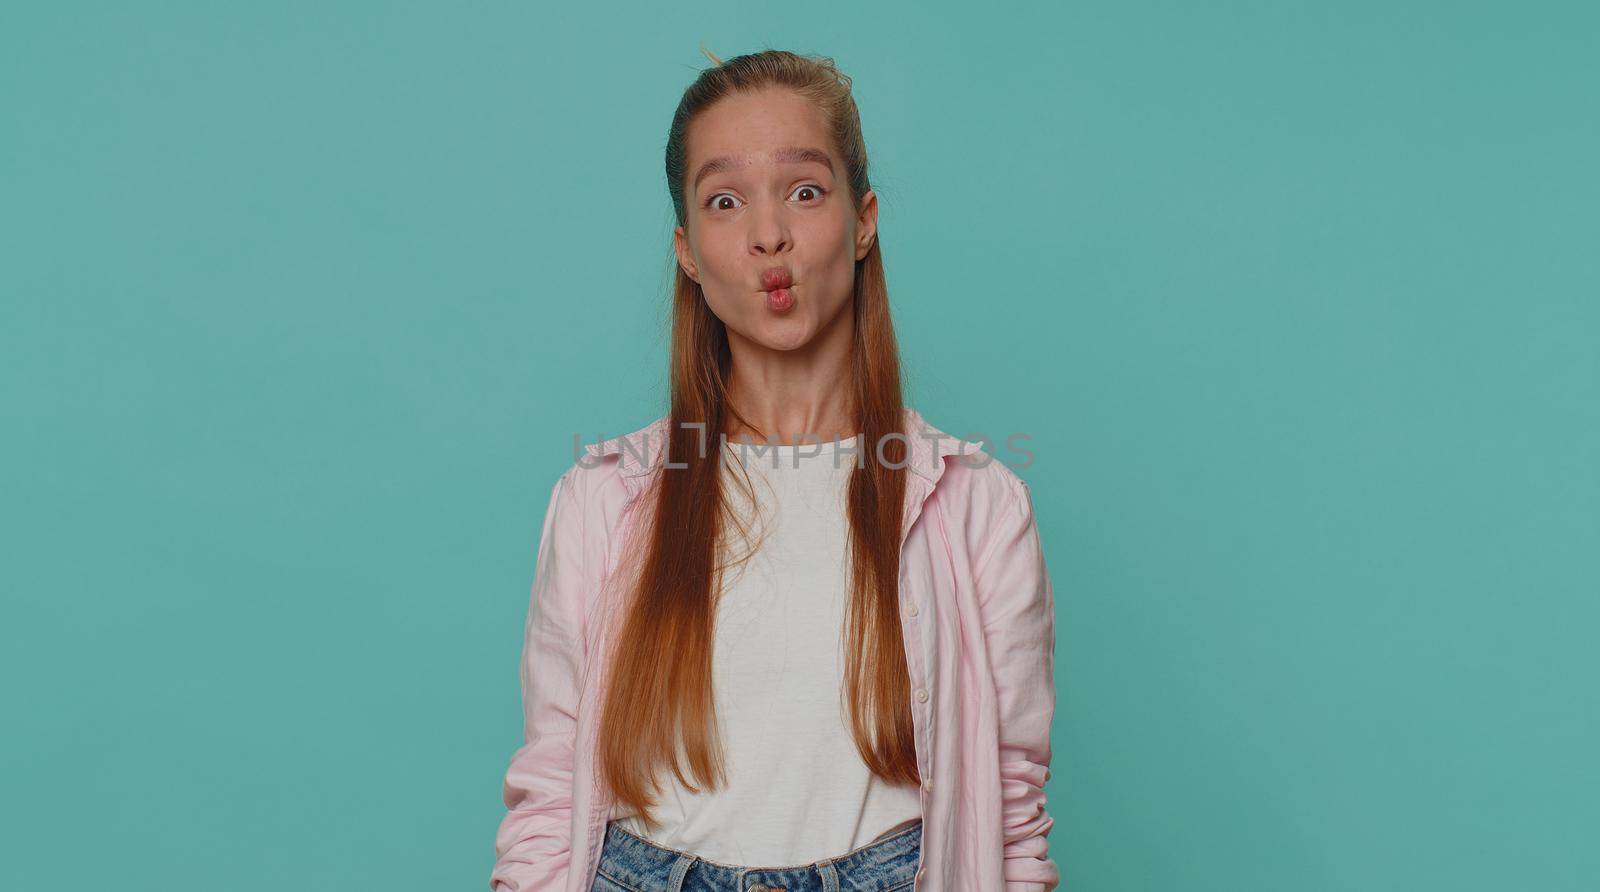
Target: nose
point(769, 231)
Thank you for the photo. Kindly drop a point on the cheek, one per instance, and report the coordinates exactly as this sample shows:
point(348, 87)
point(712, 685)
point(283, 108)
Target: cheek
point(720, 260)
point(842, 254)
point(723, 280)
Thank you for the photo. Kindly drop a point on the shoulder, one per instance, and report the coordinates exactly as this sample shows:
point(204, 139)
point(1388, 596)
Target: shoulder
point(604, 460)
point(591, 495)
point(980, 494)
point(984, 493)
point(973, 469)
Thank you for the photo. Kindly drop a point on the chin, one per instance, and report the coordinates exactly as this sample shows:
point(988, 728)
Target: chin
point(786, 334)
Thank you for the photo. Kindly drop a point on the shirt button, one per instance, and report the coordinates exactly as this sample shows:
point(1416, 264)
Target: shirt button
point(928, 785)
point(913, 610)
point(922, 696)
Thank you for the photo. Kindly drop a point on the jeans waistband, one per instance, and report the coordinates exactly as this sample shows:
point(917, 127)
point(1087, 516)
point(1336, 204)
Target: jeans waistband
point(640, 863)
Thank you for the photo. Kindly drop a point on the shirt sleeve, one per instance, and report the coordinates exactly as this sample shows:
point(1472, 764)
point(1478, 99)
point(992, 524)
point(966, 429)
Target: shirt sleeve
point(533, 846)
point(1018, 610)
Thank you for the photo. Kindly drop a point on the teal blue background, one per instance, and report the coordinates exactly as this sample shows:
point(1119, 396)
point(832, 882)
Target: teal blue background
point(303, 304)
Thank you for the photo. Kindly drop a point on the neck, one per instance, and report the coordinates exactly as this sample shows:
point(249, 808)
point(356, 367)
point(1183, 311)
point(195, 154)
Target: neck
point(790, 396)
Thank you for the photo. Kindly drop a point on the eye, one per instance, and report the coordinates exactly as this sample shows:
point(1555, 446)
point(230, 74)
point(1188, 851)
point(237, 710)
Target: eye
point(818, 191)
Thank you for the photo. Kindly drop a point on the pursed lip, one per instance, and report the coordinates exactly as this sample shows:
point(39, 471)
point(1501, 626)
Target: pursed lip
point(775, 277)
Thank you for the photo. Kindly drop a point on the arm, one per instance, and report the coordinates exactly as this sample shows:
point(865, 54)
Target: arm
point(1018, 609)
point(533, 845)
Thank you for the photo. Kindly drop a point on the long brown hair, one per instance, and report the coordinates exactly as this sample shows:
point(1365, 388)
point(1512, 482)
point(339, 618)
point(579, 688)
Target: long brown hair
point(658, 703)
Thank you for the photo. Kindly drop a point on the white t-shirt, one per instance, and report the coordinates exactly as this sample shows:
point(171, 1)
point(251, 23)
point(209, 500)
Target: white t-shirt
point(797, 789)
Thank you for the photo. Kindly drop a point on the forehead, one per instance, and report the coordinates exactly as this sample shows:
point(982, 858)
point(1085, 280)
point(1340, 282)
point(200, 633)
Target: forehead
point(751, 126)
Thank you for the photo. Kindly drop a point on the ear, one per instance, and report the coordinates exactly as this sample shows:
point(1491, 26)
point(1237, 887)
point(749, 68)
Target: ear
point(866, 224)
point(680, 246)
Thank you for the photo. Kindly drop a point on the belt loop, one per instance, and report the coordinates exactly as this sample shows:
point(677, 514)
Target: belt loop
point(680, 869)
point(830, 875)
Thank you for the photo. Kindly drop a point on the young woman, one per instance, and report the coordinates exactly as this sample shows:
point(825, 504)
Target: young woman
point(823, 665)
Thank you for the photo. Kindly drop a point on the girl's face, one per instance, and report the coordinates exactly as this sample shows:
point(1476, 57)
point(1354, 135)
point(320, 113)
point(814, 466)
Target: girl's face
point(767, 195)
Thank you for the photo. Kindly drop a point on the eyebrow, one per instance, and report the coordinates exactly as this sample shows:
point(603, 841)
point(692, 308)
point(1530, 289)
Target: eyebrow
point(785, 155)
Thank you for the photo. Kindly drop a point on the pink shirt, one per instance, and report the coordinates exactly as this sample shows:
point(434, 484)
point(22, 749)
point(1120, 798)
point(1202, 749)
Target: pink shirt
point(978, 617)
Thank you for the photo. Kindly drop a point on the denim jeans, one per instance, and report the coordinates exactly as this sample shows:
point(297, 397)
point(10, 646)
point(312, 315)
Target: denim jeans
point(630, 863)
